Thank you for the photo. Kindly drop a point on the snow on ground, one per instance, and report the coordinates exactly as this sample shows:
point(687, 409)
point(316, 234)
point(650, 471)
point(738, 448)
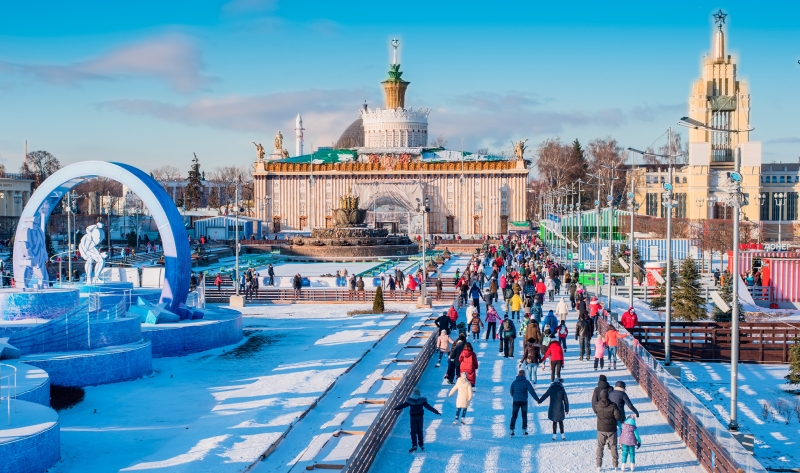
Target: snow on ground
point(220, 409)
point(759, 385)
point(484, 445)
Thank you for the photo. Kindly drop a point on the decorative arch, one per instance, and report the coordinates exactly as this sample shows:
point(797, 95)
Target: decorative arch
point(29, 245)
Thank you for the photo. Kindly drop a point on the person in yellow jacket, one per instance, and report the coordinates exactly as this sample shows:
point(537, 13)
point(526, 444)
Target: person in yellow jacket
point(515, 304)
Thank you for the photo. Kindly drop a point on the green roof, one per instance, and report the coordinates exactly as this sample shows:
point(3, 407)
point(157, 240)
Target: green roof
point(324, 156)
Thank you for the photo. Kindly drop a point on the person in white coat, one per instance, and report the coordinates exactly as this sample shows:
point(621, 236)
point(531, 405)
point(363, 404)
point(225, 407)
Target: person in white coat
point(562, 310)
point(464, 397)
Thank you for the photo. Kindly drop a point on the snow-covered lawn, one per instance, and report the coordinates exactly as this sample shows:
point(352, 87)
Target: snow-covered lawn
point(767, 406)
point(219, 410)
point(484, 445)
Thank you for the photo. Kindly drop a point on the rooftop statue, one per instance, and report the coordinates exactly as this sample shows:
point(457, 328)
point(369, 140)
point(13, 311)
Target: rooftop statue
point(259, 151)
point(519, 149)
point(278, 141)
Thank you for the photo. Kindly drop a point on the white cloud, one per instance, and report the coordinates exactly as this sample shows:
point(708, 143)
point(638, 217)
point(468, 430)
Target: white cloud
point(173, 58)
point(326, 113)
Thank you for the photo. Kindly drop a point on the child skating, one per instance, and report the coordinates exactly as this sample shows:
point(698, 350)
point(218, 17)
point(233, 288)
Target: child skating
point(417, 405)
point(630, 441)
point(464, 390)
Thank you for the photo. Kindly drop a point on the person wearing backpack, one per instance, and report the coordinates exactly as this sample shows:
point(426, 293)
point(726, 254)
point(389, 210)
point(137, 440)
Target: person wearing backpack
point(509, 333)
point(468, 363)
point(562, 331)
point(556, 355)
point(464, 390)
point(532, 357)
point(630, 441)
point(417, 405)
point(443, 344)
point(476, 324)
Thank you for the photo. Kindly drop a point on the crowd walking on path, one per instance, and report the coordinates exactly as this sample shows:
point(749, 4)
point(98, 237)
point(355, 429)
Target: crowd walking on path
point(513, 266)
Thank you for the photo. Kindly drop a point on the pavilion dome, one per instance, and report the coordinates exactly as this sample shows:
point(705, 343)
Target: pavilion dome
point(353, 136)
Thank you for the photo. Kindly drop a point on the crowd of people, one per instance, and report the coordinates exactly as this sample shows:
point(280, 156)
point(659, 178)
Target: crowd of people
point(523, 273)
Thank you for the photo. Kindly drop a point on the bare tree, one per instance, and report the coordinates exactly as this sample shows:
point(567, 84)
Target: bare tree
point(438, 142)
point(605, 153)
point(483, 151)
point(38, 166)
point(166, 173)
point(558, 164)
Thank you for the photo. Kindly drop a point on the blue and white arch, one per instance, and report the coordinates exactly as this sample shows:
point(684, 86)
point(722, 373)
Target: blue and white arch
point(30, 254)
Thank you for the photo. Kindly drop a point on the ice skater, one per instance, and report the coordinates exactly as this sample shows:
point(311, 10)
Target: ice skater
point(417, 405)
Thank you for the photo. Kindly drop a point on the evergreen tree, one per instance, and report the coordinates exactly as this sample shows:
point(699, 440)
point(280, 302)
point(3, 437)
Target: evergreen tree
point(660, 301)
point(726, 292)
point(688, 302)
point(377, 303)
point(194, 186)
point(794, 363)
point(616, 266)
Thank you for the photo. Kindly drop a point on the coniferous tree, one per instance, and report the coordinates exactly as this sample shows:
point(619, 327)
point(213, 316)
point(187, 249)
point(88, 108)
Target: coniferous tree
point(687, 300)
point(377, 303)
point(794, 363)
point(194, 186)
point(726, 292)
point(616, 266)
point(660, 301)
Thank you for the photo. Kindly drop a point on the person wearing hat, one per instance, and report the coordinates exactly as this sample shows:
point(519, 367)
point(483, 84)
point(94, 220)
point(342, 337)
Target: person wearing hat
point(619, 397)
point(602, 385)
point(607, 417)
point(417, 404)
point(520, 389)
point(629, 319)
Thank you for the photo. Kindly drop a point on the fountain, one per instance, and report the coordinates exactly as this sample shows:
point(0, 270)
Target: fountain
point(351, 238)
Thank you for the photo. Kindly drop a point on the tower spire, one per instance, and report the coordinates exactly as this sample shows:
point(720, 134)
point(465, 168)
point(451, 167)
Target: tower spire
point(719, 36)
point(394, 88)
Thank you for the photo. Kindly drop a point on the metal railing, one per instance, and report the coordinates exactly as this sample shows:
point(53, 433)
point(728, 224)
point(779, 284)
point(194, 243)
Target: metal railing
point(9, 383)
point(715, 448)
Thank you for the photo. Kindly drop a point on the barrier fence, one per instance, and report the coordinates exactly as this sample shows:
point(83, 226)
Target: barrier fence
point(326, 295)
point(711, 341)
point(8, 381)
point(381, 428)
point(716, 449)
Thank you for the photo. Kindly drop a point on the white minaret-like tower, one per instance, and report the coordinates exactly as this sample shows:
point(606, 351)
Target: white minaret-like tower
point(298, 133)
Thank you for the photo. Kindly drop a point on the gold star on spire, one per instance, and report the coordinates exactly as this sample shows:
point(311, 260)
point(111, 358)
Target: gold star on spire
point(719, 18)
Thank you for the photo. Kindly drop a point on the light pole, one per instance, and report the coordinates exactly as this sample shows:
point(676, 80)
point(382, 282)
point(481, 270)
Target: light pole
point(669, 205)
point(632, 208)
point(236, 242)
point(735, 201)
point(779, 200)
point(610, 199)
point(423, 292)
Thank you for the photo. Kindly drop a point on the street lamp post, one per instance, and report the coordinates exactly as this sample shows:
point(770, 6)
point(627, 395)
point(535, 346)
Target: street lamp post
point(632, 208)
point(236, 242)
point(779, 200)
point(424, 207)
point(669, 205)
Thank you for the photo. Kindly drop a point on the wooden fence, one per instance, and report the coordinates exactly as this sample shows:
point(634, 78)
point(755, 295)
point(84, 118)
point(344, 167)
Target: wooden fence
point(715, 448)
point(711, 341)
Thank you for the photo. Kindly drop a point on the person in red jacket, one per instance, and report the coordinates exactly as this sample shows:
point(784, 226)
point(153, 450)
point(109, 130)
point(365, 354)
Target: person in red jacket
point(556, 355)
point(452, 314)
point(541, 289)
point(629, 319)
point(468, 363)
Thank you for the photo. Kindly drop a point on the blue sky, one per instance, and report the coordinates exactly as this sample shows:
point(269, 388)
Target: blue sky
point(150, 82)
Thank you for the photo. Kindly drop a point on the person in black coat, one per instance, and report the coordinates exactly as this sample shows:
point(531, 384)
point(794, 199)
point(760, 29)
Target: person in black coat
point(559, 406)
point(417, 405)
point(443, 323)
point(453, 365)
point(584, 330)
point(271, 274)
point(607, 417)
point(602, 385)
point(619, 397)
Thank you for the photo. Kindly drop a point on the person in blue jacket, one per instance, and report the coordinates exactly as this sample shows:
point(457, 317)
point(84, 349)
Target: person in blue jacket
point(520, 389)
point(417, 405)
point(550, 321)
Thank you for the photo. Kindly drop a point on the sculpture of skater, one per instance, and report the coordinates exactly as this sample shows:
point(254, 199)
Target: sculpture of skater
point(88, 246)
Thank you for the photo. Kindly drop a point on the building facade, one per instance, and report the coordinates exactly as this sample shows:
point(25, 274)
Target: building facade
point(383, 158)
point(721, 100)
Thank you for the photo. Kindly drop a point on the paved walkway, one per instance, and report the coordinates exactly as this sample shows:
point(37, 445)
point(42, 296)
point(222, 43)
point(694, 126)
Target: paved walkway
point(484, 444)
